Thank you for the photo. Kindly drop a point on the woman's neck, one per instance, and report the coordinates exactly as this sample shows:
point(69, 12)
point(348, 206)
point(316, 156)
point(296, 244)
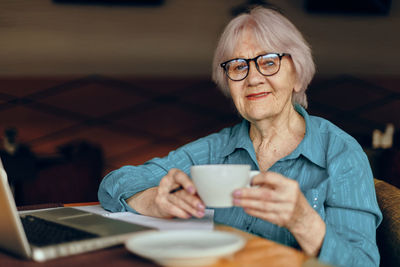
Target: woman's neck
point(275, 138)
point(287, 124)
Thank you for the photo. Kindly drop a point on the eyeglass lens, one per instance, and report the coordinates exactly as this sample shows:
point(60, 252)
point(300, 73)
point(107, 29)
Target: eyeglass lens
point(238, 69)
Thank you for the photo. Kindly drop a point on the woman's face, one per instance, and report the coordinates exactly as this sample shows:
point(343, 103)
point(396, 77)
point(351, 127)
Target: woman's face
point(260, 97)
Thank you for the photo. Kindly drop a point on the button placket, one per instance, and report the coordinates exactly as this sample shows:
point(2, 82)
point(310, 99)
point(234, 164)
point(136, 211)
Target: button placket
point(315, 199)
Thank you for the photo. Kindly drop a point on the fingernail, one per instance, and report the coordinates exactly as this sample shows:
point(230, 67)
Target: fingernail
point(200, 206)
point(190, 189)
point(200, 213)
point(236, 201)
point(237, 193)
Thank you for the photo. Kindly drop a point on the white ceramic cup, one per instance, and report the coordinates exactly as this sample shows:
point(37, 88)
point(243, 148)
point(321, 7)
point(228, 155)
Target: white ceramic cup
point(215, 183)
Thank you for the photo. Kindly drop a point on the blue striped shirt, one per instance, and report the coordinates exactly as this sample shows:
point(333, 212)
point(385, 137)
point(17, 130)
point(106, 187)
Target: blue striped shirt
point(330, 166)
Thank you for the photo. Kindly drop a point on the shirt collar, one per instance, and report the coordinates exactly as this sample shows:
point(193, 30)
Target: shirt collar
point(239, 138)
point(310, 147)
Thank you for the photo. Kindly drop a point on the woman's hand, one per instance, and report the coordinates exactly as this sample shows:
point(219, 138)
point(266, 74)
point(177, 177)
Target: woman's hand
point(279, 200)
point(159, 202)
point(275, 199)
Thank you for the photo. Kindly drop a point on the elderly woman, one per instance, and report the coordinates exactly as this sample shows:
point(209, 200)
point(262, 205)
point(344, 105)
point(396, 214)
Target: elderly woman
point(315, 190)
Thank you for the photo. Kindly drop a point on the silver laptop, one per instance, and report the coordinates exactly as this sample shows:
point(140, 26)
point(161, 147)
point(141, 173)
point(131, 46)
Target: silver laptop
point(78, 230)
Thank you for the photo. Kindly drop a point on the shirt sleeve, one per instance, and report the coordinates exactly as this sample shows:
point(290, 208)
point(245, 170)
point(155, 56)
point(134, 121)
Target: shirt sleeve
point(125, 182)
point(351, 210)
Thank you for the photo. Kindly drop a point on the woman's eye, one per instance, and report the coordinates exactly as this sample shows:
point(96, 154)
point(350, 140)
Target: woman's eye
point(240, 67)
point(267, 63)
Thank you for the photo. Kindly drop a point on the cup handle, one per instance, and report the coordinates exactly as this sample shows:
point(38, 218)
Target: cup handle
point(252, 174)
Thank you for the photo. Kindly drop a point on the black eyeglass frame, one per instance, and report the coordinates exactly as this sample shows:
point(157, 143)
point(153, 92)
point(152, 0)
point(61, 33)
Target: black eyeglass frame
point(248, 60)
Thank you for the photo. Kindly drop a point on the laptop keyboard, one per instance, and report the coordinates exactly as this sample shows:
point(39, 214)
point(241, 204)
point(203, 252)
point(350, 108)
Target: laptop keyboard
point(44, 233)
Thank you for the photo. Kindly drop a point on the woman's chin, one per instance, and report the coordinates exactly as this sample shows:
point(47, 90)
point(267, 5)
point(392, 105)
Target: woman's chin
point(259, 116)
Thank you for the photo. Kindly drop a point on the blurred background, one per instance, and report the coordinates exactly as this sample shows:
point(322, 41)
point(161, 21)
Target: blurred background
point(89, 86)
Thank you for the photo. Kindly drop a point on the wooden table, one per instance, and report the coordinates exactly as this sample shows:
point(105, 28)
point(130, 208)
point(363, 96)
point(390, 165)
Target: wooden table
point(261, 252)
point(257, 252)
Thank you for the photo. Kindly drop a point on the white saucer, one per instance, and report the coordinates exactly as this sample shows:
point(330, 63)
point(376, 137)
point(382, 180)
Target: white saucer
point(184, 247)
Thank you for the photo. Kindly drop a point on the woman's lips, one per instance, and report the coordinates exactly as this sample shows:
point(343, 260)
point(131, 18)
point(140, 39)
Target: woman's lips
point(257, 96)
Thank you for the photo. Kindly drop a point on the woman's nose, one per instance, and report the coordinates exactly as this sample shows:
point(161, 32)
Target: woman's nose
point(254, 76)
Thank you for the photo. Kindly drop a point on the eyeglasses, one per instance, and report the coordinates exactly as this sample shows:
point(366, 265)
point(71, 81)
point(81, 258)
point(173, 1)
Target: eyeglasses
point(268, 64)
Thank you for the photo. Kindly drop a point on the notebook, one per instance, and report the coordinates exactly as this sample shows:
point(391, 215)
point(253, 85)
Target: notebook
point(56, 232)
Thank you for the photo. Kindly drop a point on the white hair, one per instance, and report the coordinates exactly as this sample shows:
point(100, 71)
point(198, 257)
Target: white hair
point(272, 31)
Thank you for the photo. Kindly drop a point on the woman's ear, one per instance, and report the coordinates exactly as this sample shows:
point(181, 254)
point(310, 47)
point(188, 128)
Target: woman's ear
point(297, 86)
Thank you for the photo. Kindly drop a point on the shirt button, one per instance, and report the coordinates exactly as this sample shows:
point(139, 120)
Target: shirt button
point(315, 199)
point(314, 206)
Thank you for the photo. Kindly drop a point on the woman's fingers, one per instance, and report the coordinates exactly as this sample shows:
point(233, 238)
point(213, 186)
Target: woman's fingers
point(182, 179)
point(260, 193)
point(183, 203)
point(174, 179)
point(262, 206)
point(173, 211)
point(269, 179)
point(188, 203)
point(275, 199)
point(279, 213)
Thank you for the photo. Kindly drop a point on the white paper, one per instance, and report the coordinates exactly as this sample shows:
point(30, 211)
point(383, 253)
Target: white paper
point(205, 223)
